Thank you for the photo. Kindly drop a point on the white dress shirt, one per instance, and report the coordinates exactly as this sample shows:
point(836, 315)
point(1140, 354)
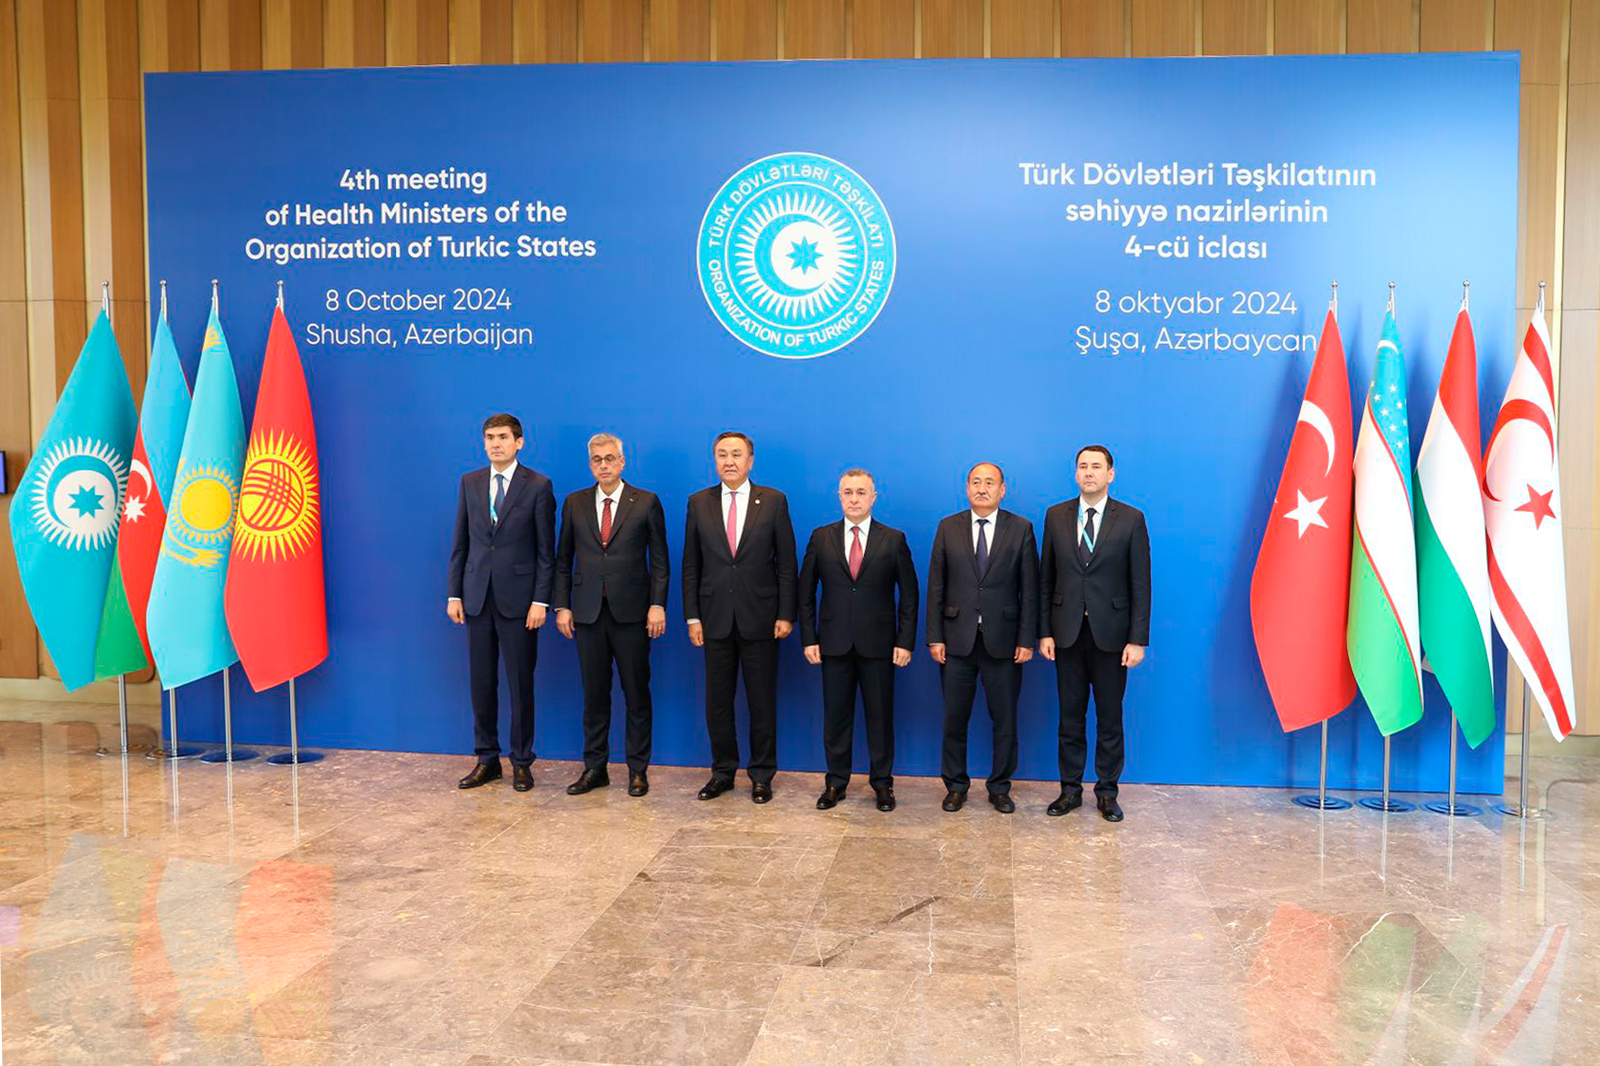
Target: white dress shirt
point(988, 529)
point(1099, 517)
point(866, 530)
point(600, 499)
point(742, 494)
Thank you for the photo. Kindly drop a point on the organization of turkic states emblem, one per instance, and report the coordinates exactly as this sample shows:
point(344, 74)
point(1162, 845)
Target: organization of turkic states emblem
point(277, 498)
point(796, 255)
point(200, 525)
point(76, 495)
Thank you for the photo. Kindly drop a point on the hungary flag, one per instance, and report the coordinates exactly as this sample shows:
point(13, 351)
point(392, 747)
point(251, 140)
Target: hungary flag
point(1452, 557)
point(1381, 634)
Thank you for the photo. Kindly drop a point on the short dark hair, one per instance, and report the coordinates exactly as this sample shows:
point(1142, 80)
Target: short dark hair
point(987, 462)
point(1101, 448)
point(509, 421)
point(725, 434)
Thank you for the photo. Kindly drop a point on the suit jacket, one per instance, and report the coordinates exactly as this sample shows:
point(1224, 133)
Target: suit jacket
point(859, 613)
point(1007, 596)
point(756, 588)
point(631, 573)
point(1113, 591)
point(516, 557)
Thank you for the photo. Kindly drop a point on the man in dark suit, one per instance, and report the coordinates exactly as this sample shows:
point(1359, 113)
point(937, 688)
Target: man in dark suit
point(501, 570)
point(862, 635)
point(739, 601)
point(1095, 623)
point(983, 618)
point(611, 593)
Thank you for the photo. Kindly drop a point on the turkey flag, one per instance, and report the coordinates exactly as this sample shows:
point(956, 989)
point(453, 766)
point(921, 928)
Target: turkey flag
point(277, 613)
point(1300, 592)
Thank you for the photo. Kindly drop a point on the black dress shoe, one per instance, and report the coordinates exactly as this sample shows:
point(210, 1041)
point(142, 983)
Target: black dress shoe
point(830, 798)
point(761, 793)
point(638, 784)
point(481, 774)
point(522, 778)
point(885, 798)
point(953, 800)
point(1001, 801)
point(714, 788)
point(1109, 810)
point(1065, 803)
point(588, 781)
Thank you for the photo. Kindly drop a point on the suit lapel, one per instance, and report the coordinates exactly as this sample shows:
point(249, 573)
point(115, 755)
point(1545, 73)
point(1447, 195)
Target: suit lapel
point(714, 517)
point(874, 539)
point(968, 547)
point(836, 545)
point(1108, 519)
point(513, 490)
point(1072, 524)
point(751, 517)
point(478, 500)
point(624, 505)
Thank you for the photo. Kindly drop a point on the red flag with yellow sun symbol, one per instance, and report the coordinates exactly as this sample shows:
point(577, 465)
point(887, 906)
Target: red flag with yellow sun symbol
point(277, 611)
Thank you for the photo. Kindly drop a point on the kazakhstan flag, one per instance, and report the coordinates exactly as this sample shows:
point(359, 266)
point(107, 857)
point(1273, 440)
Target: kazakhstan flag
point(188, 633)
point(64, 516)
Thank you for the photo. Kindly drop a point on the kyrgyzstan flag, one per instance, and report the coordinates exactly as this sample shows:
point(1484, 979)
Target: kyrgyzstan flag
point(1522, 510)
point(277, 614)
point(1300, 591)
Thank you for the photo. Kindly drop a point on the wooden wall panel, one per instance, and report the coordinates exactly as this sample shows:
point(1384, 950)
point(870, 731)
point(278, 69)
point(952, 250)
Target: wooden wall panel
point(1163, 27)
point(1308, 27)
point(680, 30)
point(1236, 27)
point(546, 31)
point(1380, 26)
point(744, 29)
point(169, 34)
point(353, 33)
point(814, 29)
point(884, 29)
point(230, 34)
point(611, 31)
point(481, 31)
point(1094, 28)
point(417, 32)
point(291, 34)
point(952, 28)
point(1537, 179)
point(1532, 27)
point(1022, 28)
point(1580, 271)
point(1583, 65)
point(19, 642)
point(1456, 25)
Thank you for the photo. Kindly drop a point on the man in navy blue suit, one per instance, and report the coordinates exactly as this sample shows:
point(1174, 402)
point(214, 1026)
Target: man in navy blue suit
point(501, 572)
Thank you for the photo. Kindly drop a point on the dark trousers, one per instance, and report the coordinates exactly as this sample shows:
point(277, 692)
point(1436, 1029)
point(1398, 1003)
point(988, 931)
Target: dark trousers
point(842, 676)
point(601, 643)
point(758, 659)
point(1002, 681)
point(492, 637)
point(1079, 669)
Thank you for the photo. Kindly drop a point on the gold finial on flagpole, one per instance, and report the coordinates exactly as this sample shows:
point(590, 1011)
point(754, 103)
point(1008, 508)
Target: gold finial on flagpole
point(280, 294)
point(215, 302)
point(1391, 297)
point(163, 297)
point(1333, 300)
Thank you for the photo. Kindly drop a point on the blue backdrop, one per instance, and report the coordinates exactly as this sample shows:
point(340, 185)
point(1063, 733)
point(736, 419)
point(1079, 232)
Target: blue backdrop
point(975, 354)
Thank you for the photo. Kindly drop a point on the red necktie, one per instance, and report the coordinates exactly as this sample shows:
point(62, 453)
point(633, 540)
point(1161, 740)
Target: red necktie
point(855, 553)
point(605, 523)
point(733, 523)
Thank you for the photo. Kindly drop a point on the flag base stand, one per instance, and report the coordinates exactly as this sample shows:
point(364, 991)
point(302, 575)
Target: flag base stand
point(1531, 814)
point(1522, 809)
point(240, 755)
point(289, 758)
point(1322, 801)
point(1456, 810)
point(183, 751)
point(176, 751)
point(1386, 804)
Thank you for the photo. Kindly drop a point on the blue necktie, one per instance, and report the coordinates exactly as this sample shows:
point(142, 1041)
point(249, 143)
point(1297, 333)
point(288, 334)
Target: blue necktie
point(983, 547)
point(1086, 542)
point(499, 498)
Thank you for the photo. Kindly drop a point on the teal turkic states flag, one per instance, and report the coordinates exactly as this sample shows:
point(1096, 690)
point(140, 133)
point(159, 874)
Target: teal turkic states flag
point(188, 632)
point(64, 514)
point(1382, 634)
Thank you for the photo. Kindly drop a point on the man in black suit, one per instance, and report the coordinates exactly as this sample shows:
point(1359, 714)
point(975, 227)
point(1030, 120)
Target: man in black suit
point(983, 618)
point(862, 635)
point(1095, 624)
point(501, 570)
point(611, 593)
point(739, 601)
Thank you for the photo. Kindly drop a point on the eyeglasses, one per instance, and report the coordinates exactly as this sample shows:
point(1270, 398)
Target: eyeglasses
point(604, 460)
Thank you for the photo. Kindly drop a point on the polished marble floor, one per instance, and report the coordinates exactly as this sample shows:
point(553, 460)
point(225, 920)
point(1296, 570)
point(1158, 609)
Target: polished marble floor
point(362, 910)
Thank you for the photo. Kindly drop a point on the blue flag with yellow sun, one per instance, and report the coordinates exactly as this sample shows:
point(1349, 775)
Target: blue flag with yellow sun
point(64, 514)
point(188, 631)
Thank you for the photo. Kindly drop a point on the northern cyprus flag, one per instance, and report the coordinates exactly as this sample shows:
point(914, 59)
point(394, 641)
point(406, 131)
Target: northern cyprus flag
point(1381, 634)
point(1452, 560)
point(1522, 510)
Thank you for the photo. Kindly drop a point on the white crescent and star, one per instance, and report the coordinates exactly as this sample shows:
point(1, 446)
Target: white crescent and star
point(133, 506)
point(1307, 513)
point(1317, 419)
